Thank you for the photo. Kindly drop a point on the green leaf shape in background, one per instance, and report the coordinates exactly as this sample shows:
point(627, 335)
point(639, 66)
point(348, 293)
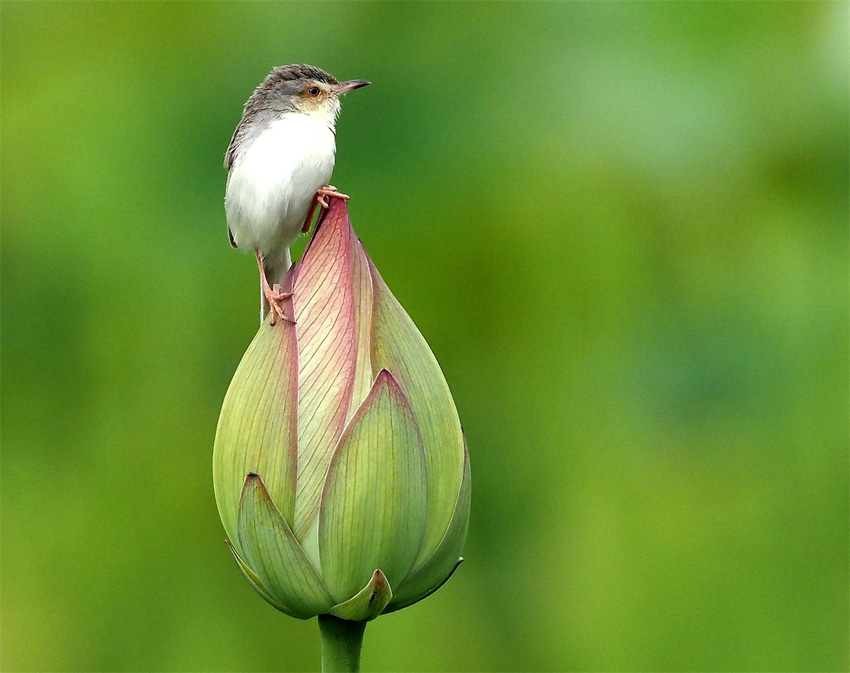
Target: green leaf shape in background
point(368, 603)
point(273, 554)
point(374, 502)
point(397, 345)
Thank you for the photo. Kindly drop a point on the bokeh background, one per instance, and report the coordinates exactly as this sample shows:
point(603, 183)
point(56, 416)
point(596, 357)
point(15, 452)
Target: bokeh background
point(623, 228)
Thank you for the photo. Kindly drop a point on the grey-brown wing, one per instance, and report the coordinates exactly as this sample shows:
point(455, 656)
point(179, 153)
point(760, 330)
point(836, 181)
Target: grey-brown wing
point(233, 147)
point(229, 158)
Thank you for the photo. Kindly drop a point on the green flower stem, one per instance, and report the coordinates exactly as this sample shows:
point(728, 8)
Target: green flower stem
point(341, 643)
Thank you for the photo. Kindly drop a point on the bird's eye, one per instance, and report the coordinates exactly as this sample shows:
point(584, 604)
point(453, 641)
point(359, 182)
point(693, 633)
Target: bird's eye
point(313, 91)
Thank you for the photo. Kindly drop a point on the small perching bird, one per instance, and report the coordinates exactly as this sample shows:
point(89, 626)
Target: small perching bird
point(279, 162)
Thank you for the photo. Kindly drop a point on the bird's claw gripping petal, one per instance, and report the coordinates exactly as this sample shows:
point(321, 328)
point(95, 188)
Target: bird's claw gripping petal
point(321, 200)
point(275, 297)
point(329, 190)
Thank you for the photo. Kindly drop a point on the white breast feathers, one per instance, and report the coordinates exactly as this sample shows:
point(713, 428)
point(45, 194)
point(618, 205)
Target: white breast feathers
point(274, 180)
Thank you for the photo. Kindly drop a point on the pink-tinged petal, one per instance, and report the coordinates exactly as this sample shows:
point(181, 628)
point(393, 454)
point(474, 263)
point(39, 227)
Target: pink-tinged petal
point(327, 350)
point(257, 430)
point(398, 346)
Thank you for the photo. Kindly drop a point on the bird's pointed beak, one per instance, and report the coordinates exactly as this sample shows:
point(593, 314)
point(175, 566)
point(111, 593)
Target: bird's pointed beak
point(350, 85)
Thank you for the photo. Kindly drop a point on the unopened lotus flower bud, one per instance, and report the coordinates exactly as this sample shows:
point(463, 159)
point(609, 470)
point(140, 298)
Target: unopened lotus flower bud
point(340, 469)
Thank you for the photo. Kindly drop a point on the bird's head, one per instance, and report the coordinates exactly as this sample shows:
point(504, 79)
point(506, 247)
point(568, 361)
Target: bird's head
point(305, 89)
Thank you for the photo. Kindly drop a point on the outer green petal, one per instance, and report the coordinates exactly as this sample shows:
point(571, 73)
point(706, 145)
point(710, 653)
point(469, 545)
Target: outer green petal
point(368, 603)
point(272, 552)
point(324, 311)
point(399, 347)
point(436, 570)
point(374, 503)
point(257, 428)
point(363, 300)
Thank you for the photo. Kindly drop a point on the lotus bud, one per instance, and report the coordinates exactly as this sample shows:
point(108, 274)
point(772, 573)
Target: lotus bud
point(340, 469)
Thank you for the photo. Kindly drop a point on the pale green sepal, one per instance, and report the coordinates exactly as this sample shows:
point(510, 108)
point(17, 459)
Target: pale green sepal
point(272, 552)
point(374, 502)
point(398, 346)
point(253, 580)
point(411, 601)
point(436, 570)
point(368, 603)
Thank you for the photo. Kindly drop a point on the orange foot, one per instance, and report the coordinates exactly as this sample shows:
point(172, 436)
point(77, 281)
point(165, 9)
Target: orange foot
point(274, 296)
point(321, 200)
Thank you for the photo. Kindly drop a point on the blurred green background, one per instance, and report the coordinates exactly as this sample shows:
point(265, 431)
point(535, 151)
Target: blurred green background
point(623, 228)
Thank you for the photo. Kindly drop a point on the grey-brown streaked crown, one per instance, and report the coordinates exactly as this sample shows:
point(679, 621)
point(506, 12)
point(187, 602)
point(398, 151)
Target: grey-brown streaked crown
point(286, 73)
point(285, 80)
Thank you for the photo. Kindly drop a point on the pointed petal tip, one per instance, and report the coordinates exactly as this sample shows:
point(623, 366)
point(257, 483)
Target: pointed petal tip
point(369, 602)
point(337, 210)
point(380, 581)
point(252, 481)
point(385, 378)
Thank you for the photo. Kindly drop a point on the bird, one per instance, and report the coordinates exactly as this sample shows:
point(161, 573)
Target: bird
point(279, 164)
